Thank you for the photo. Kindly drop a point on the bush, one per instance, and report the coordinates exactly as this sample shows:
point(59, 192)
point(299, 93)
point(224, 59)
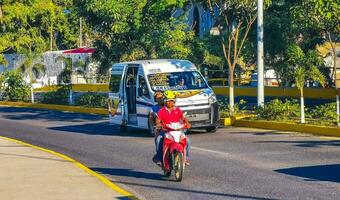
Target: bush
point(59, 96)
point(325, 112)
point(13, 87)
point(225, 108)
point(279, 110)
point(92, 100)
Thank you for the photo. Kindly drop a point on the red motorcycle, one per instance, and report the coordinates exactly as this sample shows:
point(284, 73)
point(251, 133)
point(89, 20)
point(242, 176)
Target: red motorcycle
point(174, 150)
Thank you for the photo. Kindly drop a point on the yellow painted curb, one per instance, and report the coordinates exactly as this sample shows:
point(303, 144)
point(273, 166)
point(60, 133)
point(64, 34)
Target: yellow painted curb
point(102, 178)
point(302, 128)
point(229, 121)
point(77, 88)
point(79, 109)
point(312, 93)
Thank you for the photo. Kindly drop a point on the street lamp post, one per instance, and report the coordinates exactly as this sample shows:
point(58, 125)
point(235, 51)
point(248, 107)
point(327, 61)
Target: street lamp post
point(260, 57)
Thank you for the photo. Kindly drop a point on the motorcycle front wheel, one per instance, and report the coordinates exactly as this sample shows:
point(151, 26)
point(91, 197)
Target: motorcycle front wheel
point(166, 173)
point(178, 166)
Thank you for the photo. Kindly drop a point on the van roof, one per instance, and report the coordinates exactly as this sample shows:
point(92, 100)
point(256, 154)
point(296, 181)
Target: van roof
point(162, 65)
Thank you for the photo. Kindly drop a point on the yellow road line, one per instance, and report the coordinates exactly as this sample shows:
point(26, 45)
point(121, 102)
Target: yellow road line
point(102, 178)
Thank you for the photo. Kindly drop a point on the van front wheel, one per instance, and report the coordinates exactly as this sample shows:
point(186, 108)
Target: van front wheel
point(211, 129)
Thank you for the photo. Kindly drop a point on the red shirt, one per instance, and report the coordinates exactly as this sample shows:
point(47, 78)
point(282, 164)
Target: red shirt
point(167, 116)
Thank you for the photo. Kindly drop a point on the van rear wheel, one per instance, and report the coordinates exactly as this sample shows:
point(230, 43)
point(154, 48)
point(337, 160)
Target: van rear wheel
point(123, 128)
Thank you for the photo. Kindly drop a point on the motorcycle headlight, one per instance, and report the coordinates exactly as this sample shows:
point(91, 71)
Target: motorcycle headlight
point(212, 99)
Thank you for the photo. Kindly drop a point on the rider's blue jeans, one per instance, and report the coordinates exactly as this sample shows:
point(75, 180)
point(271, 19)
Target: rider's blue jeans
point(159, 146)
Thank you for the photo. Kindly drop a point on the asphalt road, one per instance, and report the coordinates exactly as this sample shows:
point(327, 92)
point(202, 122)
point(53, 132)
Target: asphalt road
point(233, 163)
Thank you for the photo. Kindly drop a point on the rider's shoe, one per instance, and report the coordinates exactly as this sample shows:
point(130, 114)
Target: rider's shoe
point(156, 161)
point(187, 163)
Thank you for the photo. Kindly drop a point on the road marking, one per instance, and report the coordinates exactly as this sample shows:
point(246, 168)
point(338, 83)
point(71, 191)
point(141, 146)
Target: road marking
point(102, 178)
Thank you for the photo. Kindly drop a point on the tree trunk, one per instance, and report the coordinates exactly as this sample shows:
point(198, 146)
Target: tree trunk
point(32, 95)
point(231, 92)
point(71, 97)
point(337, 108)
point(302, 101)
point(333, 45)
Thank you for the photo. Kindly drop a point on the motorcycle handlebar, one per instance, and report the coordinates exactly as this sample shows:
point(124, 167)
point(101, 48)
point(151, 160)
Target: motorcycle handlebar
point(166, 128)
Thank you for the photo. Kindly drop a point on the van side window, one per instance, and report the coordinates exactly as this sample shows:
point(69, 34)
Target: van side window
point(115, 82)
point(143, 88)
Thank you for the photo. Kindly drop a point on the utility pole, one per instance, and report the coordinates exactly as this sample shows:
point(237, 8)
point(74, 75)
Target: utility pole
point(51, 36)
point(260, 56)
point(81, 32)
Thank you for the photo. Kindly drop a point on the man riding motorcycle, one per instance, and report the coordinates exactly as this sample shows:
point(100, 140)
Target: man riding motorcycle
point(166, 115)
point(158, 97)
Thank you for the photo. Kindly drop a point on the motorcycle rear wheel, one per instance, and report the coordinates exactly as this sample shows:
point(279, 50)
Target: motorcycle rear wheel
point(178, 166)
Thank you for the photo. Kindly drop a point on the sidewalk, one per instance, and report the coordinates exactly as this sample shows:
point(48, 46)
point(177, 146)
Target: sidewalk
point(28, 173)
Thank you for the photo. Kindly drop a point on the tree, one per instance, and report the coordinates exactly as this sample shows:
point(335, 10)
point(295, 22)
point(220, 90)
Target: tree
point(306, 68)
point(234, 20)
point(323, 15)
point(30, 28)
point(32, 68)
point(134, 29)
point(14, 88)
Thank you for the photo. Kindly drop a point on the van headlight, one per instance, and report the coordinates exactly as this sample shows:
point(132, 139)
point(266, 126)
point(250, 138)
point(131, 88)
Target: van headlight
point(212, 99)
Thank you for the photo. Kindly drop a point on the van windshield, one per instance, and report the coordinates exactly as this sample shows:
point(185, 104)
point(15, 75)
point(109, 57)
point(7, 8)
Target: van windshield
point(187, 80)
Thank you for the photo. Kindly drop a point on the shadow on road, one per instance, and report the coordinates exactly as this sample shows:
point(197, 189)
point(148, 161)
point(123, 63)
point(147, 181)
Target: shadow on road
point(17, 113)
point(257, 133)
point(181, 189)
point(307, 143)
point(315, 173)
point(103, 128)
point(129, 173)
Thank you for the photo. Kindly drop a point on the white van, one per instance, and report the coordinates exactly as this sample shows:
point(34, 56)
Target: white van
point(132, 86)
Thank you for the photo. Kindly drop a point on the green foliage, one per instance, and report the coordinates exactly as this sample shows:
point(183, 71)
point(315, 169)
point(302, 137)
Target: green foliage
point(64, 78)
point(32, 66)
point(225, 108)
point(279, 110)
point(307, 65)
point(319, 14)
point(325, 112)
point(13, 87)
point(92, 100)
point(29, 26)
point(134, 29)
point(59, 96)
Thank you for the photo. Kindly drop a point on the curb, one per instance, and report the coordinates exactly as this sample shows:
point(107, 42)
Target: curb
point(281, 126)
point(100, 111)
point(230, 121)
point(102, 178)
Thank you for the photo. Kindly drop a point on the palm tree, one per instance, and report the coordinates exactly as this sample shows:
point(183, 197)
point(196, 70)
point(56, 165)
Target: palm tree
point(32, 68)
point(80, 68)
point(306, 69)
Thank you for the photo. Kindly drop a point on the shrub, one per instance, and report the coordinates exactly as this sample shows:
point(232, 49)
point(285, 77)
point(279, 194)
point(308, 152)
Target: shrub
point(279, 110)
point(13, 87)
point(92, 100)
point(325, 112)
point(59, 96)
point(225, 108)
